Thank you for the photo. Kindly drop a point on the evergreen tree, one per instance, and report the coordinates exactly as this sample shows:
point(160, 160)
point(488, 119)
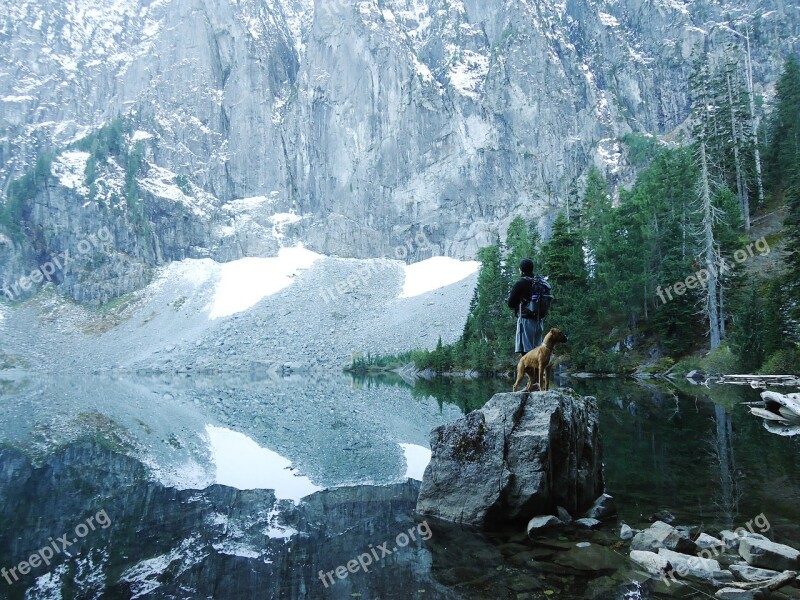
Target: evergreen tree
point(783, 170)
point(783, 153)
point(705, 115)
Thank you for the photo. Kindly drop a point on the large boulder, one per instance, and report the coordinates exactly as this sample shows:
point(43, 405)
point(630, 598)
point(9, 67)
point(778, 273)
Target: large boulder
point(521, 455)
point(760, 552)
point(662, 535)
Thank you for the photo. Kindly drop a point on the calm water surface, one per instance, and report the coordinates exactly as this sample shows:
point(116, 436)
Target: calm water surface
point(233, 487)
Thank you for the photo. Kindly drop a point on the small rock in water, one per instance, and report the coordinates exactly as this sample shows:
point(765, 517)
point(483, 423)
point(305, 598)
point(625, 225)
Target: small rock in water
point(538, 525)
point(602, 508)
point(587, 523)
point(734, 594)
point(625, 532)
point(662, 515)
point(563, 514)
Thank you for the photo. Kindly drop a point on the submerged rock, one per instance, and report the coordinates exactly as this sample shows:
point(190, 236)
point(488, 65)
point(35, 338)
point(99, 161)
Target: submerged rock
point(520, 455)
point(592, 558)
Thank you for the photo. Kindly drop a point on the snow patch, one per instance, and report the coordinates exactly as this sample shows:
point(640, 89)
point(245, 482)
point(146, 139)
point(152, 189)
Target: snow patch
point(243, 464)
point(435, 273)
point(232, 548)
point(608, 20)
point(280, 221)
point(245, 282)
point(163, 183)
point(48, 586)
point(417, 458)
point(609, 153)
point(469, 72)
point(141, 135)
point(70, 169)
point(243, 204)
point(144, 576)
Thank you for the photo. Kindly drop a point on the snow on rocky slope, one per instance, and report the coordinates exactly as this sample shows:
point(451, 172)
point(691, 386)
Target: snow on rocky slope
point(369, 121)
point(299, 307)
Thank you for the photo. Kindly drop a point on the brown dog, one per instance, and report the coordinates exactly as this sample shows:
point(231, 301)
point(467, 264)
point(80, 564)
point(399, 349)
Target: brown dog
point(538, 363)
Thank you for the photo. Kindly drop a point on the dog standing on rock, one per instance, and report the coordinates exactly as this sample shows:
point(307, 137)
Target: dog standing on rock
point(538, 363)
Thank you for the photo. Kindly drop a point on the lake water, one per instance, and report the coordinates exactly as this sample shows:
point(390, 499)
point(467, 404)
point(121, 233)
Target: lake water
point(249, 487)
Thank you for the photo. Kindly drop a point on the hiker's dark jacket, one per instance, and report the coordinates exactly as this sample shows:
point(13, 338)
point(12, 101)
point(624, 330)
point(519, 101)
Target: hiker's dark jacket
point(521, 291)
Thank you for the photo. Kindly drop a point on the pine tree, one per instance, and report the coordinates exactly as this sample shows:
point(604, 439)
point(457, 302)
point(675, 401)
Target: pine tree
point(783, 170)
point(783, 152)
point(705, 115)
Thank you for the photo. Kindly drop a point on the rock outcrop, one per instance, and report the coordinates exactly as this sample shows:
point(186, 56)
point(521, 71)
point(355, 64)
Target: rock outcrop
point(519, 456)
point(370, 121)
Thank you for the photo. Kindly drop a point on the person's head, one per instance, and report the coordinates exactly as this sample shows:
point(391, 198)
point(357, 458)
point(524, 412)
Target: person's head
point(526, 266)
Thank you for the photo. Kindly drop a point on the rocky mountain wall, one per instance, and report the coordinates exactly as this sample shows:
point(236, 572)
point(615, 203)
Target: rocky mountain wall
point(349, 125)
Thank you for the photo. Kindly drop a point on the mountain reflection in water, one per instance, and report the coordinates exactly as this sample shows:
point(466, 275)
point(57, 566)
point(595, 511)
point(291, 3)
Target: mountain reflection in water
point(702, 460)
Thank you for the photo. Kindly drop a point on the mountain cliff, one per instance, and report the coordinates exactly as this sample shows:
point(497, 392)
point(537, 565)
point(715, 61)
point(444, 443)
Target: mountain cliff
point(189, 128)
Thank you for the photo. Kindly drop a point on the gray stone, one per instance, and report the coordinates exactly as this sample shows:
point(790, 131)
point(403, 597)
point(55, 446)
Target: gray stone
point(625, 532)
point(592, 558)
point(653, 564)
point(520, 455)
point(747, 573)
point(695, 567)
point(661, 535)
point(587, 523)
point(758, 551)
point(734, 594)
point(664, 516)
point(537, 525)
point(563, 514)
point(730, 538)
point(705, 541)
point(603, 508)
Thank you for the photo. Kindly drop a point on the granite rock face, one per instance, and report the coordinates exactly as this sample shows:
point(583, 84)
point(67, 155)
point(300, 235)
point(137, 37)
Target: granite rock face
point(519, 456)
point(368, 123)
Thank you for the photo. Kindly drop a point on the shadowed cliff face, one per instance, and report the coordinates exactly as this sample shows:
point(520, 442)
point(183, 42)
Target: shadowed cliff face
point(371, 122)
point(219, 541)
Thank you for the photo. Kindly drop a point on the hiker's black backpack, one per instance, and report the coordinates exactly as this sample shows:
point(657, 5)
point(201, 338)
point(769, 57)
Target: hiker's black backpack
point(538, 305)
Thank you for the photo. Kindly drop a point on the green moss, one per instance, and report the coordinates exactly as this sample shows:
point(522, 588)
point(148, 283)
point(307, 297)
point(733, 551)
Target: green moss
point(470, 446)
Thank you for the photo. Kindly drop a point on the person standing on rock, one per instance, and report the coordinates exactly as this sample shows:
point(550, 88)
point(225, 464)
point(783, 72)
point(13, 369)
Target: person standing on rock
point(530, 300)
